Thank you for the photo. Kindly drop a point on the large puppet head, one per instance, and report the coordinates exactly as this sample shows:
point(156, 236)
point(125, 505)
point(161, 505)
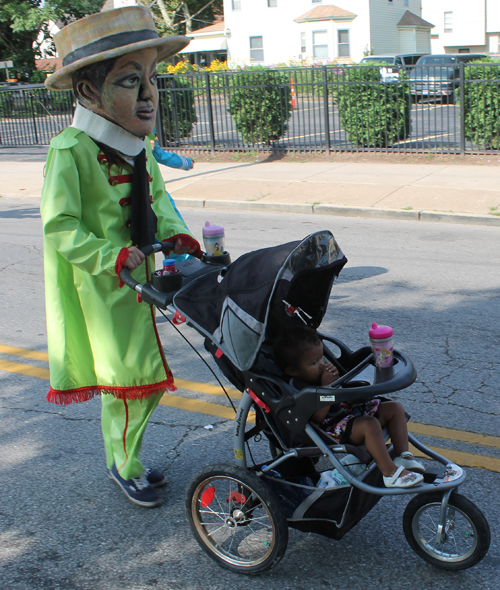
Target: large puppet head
point(110, 59)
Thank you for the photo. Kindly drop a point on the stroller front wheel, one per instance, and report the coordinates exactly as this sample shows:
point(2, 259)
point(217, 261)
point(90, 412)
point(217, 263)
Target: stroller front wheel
point(236, 519)
point(466, 536)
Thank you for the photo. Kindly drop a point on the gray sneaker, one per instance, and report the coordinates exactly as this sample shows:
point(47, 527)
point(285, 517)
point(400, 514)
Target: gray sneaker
point(137, 489)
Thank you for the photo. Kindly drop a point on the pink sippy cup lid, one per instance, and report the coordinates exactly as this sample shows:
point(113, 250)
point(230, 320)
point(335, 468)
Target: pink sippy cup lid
point(380, 332)
point(212, 230)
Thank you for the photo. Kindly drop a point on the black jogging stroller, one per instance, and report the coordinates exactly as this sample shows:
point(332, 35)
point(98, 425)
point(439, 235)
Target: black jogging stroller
point(240, 514)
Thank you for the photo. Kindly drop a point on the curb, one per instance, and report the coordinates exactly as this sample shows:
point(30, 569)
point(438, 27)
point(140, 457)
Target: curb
point(398, 214)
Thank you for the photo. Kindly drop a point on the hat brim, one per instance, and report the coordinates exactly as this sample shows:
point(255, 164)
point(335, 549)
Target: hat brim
point(167, 46)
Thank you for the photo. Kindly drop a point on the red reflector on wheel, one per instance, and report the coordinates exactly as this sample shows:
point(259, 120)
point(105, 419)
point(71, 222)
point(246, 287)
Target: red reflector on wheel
point(207, 496)
point(235, 496)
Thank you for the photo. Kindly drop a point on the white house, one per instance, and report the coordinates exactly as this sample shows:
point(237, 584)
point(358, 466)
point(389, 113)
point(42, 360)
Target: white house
point(462, 26)
point(207, 44)
point(277, 31)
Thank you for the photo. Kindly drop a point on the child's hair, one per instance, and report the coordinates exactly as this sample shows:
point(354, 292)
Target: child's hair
point(290, 345)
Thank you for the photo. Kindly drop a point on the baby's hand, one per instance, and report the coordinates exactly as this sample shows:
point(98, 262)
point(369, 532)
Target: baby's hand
point(330, 374)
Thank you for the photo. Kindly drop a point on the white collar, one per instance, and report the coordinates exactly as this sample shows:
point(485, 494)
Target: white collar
point(106, 132)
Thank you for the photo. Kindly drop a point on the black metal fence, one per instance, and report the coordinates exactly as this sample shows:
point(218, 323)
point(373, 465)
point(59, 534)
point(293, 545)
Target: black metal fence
point(319, 109)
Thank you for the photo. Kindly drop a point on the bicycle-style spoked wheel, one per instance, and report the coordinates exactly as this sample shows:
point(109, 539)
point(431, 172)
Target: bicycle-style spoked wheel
point(236, 519)
point(466, 534)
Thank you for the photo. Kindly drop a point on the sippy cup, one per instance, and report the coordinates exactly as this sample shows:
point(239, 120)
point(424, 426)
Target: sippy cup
point(381, 340)
point(213, 239)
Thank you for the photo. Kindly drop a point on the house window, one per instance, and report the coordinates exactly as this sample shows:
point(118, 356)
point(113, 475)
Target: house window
point(448, 22)
point(236, 4)
point(320, 44)
point(272, 3)
point(343, 43)
point(302, 42)
point(256, 49)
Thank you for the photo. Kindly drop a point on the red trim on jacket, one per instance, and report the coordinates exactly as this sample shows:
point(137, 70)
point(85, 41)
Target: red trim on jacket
point(120, 264)
point(120, 179)
point(83, 394)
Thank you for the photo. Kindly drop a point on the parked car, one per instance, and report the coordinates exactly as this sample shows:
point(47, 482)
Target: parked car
point(437, 76)
point(392, 63)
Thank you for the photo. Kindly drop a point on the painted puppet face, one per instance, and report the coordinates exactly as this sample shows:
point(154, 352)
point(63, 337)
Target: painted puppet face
point(129, 95)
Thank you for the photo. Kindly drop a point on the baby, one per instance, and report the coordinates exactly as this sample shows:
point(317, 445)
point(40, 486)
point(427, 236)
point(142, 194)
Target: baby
point(299, 353)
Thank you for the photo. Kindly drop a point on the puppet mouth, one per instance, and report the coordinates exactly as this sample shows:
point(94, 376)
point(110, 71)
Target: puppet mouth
point(146, 114)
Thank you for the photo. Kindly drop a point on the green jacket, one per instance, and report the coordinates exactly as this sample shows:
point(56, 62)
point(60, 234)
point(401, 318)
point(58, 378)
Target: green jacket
point(100, 339)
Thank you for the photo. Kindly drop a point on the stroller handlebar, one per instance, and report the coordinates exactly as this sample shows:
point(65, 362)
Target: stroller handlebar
point(149, 294)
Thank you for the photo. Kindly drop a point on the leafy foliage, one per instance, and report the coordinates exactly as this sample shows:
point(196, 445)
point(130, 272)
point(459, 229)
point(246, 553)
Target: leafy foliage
point(373, 114)
point(177, 105)
point(482, 105)
point(260, 103)
point(21, 21)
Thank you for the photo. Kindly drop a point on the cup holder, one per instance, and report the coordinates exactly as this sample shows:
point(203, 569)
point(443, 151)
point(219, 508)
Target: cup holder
point(166, 283)
point(221, 260)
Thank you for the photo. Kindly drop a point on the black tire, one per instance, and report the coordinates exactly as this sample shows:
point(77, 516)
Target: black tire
point(467, 533)
point(236, 519)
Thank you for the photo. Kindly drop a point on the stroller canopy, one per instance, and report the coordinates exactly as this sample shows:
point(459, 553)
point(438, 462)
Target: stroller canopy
point(238, 305)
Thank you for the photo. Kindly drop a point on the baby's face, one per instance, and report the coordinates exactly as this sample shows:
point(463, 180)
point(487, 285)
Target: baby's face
point(312, 365)
point(129, 95)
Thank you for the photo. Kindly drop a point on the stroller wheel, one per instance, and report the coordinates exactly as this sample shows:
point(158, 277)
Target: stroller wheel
point(466, 536)
point(236, 519)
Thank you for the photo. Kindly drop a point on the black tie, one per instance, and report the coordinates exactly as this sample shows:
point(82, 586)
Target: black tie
point(143, 223)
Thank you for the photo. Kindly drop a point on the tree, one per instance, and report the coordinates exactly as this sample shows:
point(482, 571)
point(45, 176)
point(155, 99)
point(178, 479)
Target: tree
point(179, 17)
point(22, 20)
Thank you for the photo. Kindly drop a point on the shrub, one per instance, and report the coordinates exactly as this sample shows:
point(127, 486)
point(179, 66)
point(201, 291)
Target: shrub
point(260, 102)
point(178, 112)
point(372, 113)
point(482, 105)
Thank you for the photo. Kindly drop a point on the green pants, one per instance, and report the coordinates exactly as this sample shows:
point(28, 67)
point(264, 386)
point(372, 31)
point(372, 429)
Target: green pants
point(123, 423)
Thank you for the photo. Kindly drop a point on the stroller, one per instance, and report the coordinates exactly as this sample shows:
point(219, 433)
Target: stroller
point(240, 514)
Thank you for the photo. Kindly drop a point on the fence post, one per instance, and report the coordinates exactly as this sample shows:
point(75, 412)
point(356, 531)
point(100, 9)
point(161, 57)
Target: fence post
point(159, 121)
point(462, 109)
point(326, 114)
point(210, 112)
point(34, 118)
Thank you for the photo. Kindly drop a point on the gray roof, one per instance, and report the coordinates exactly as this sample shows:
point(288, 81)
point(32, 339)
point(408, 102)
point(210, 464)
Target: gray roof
point(410, 19)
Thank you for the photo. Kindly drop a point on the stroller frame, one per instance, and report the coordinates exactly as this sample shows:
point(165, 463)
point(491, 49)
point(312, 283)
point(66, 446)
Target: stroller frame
point(237, 513)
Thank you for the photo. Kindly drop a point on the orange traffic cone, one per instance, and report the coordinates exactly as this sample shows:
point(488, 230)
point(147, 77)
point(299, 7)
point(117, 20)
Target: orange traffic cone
point(292, 88)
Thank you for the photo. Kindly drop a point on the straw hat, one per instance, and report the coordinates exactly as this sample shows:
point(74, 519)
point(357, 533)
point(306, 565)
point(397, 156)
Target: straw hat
point(105, 35)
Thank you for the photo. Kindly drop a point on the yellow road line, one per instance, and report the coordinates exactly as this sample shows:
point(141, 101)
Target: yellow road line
point(464, 459)
point(24, 369)
point(206, 388)
point(451, 434)
point(226, 412)
point(24, 352)
point(193, 405)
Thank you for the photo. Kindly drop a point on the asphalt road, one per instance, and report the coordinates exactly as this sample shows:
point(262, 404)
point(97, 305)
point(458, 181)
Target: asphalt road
point(63, 524)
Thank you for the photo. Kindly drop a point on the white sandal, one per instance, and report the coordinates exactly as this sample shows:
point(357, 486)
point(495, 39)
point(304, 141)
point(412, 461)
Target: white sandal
point(402, 481)
point(408, 461)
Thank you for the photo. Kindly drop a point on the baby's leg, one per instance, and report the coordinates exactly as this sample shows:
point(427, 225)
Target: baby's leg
point(367, 430)
point(392, 416)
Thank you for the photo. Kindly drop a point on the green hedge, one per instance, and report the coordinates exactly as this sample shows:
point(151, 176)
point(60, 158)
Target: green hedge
point(372, 114)
point(260, 102)
point(482, 105)
point(178, 112)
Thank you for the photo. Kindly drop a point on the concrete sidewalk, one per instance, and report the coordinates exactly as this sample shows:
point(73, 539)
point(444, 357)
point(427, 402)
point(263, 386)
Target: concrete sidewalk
point(421, 192)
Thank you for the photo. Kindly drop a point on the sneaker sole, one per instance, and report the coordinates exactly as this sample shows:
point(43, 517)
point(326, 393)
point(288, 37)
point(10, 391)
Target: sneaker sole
point(134, 500)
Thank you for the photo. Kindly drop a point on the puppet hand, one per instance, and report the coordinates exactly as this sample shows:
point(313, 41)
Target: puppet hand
point(185, 244)
point(135, 258)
